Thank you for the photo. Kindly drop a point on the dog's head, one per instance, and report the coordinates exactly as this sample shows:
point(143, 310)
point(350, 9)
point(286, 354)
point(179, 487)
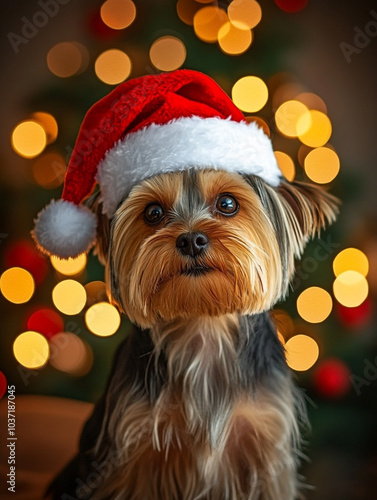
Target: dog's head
point(199, 243)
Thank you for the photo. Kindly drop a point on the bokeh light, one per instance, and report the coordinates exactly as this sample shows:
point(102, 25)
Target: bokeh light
point(49, 124)
point(312, 101)
point(207, 22)
point(95, 292)
point(31, 349)
point(70, 266)
point(332, 378)
point(46, 321)
point(118, 14)
point(356, 318)
point(351, 259)
point(285, 91)
point(250, 94)
point(113, 66)
point(167, 53)
point(291, 5)
point(186, 10)
point(319, 131)
point(322, 165)
point(302, 352)
point(69, 297)
point(283, 323)
point(302, 153)
point(66, 59)
point(260, 123)
point(244, 14)
point(314, 304)
point(350, 288)
point(3, 384)
point(70, 354)
point(102, 319)
point(292, 118)
point(233, 40)
point(22, 253)
point(286, 165)
point(17, 285)
point(29, 139)
point(49, 170)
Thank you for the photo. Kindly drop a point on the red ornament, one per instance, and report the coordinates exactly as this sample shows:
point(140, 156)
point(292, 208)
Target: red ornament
point(332, 378)
point(355, 317)
point(291, 5)
point(22, 253)
point(3, 384)
point(46, 321)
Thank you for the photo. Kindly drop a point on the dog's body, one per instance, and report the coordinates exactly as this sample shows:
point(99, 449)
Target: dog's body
point(225, 429)
point(200, 404)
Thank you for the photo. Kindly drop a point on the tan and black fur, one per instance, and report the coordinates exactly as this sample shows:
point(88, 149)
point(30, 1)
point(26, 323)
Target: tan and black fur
point(200, 404)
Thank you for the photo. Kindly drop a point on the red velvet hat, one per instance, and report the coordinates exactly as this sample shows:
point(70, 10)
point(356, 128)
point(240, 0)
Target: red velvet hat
point(148, 126)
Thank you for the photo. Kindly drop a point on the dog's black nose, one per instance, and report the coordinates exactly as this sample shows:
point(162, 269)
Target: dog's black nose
point(192, 244)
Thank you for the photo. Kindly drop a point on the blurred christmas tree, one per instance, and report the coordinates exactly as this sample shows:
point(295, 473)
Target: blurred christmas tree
point(60, 331)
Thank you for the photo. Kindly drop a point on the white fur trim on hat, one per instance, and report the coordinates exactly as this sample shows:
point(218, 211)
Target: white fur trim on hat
point(181, 144)
point(65, 229)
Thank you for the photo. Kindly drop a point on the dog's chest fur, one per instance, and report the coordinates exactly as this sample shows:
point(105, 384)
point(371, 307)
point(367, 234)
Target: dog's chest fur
point(217, 422)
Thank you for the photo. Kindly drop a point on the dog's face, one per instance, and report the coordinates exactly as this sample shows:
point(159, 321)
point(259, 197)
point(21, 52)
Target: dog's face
point(199, 243)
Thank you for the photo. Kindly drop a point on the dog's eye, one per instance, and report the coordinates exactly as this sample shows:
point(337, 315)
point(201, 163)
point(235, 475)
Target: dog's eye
point(153, 213)
point(227, 204)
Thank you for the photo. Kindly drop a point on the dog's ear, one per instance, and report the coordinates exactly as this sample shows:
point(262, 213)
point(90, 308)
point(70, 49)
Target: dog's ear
point(103, 227)
point(297, 210)
point(312, 206)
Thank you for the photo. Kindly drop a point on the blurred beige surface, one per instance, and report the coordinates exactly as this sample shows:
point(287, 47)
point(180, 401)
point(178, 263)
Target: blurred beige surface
point(47, 431)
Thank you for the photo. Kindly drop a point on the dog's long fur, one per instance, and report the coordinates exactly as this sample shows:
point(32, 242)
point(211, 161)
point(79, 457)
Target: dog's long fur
point(200, 404)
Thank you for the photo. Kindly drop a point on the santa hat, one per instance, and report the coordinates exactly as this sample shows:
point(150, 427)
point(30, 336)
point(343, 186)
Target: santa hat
point(148, 126)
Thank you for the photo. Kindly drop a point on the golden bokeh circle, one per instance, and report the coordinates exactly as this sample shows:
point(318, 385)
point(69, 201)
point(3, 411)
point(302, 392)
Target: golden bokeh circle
point(17, 285)
point(292, 118)
point(322, 165)
point(250, 94)
point(301, 352)
point(233, 40)
point(244, 14)
point(207, 22)
point(31, 349)
point(314, 304)
point(29, 139)
point(167, 53)
point(350, 288)
point(65, 59)
point(118, 14)
point(69, 296)
point(102, 319)
point(49, 124)
point(286, 165)
point(70, 266)
point(319, 131)
point(113, 66)
point(351, 259)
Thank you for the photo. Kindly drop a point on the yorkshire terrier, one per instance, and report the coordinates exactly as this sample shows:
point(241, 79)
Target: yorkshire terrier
point(200, 404)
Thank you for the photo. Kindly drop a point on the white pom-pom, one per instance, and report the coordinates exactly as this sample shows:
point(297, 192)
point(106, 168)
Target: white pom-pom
point(65, 229)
